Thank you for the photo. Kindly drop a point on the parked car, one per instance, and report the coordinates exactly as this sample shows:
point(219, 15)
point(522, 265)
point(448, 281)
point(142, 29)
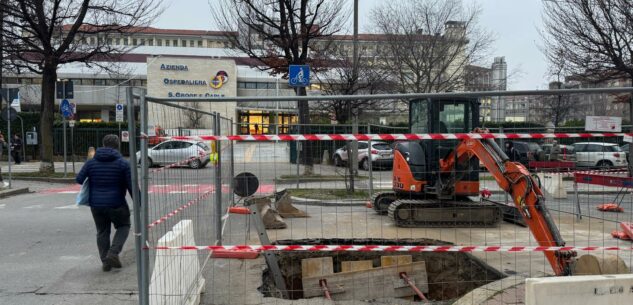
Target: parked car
point(381, 155)
point(170, 152)
point(596, 154)
point(566, 152)
point(526, 152)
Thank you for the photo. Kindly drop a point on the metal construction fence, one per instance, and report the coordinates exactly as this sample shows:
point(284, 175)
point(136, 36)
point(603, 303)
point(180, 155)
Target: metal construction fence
point(430, 214)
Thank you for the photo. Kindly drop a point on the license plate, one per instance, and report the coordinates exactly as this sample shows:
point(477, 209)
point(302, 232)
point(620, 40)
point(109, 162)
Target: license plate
point(387, 155)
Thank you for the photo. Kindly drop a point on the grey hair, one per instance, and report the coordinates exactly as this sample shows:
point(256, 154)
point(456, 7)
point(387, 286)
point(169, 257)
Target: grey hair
point(111, 141)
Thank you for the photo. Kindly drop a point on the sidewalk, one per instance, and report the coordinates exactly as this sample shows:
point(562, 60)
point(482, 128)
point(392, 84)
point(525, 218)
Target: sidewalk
point(33, 167)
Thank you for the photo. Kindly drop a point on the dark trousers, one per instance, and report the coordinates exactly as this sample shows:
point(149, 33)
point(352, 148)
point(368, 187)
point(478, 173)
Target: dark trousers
point(104, 218)
point(17, 157)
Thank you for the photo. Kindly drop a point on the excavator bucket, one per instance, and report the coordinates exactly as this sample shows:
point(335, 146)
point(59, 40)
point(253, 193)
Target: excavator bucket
point(590, 264)
point(270, 217)
point(283, 204)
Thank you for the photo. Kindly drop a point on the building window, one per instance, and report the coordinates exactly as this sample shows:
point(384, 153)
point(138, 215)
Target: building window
point(183, 43)
point(175, 41)
point(117, 41)
point(109, 41)
point(150, 42)
point(209, 43)
point(100, 82)
point(159, 42)
point(191, 43)
point(92, 40)
point(134, 41)
point(199, 43)
point(142, 42)
point(125, 41)
point(226, 45)
point(166, 42)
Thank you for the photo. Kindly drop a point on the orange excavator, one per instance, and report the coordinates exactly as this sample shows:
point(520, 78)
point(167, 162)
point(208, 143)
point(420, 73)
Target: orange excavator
point(433, 179)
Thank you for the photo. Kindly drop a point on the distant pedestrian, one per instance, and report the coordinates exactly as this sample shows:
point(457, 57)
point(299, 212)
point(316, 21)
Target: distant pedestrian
point(109, 177)
point(16, 149)
point(553, 156)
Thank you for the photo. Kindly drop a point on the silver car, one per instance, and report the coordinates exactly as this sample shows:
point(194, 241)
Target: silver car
point(195, 154)
point(381, 155)
point(598, 154)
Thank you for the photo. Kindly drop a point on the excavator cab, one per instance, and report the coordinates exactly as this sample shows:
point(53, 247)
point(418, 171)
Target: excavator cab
point(422, 158)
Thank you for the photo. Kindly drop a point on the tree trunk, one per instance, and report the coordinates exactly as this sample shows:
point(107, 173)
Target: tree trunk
point(47, 117)
point(304, 119)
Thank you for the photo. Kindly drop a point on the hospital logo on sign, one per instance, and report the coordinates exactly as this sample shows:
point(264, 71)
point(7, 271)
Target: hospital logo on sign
point(219, 80)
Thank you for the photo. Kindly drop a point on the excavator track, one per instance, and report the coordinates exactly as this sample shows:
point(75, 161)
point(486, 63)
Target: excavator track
point(381, 201)
point(434, 213)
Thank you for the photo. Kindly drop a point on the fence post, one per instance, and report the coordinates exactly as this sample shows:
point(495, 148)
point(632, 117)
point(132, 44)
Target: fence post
point(136, 203)
point(232, 165)
point(218, 182)
point(144, 195)
point(371, 179)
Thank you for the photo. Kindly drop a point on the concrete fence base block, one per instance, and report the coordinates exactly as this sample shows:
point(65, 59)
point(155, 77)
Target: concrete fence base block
point(176, 276)
point(580, 290)
point(553, 185)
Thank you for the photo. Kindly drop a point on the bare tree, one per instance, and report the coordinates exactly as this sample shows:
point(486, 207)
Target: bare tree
point(41, 35)
point(430, 42)
point(556, 109)
point(194, 118)
point(279, 33)
point(597, 36)
point(339, 78)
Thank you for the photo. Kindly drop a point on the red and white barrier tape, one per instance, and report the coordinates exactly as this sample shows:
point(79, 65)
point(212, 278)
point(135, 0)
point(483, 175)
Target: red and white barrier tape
point(396, 137)
point(589, 172)
point(382, 248)
point(180, 209)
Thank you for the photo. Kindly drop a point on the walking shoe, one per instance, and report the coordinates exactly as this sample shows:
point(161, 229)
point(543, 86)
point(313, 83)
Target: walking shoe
point(113, 261)
point(106, 266)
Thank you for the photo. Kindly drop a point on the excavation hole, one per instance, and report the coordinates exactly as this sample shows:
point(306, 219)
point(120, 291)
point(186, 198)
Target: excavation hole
point(450, 274)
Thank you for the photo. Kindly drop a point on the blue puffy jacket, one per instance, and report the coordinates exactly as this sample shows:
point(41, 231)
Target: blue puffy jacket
point(109, 176)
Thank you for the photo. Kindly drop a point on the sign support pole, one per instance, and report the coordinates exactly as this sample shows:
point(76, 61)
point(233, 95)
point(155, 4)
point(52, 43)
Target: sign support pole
point(9, 157)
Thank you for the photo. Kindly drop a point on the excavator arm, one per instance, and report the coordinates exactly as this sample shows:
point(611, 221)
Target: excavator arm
point(515, 179)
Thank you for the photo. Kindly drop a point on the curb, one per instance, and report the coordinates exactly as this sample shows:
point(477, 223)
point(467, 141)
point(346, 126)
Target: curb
point(328, 203)
point(44, 179)
point(13, 192)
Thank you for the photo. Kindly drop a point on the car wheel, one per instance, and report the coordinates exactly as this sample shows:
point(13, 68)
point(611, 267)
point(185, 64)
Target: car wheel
point(195, 163)
point(365, 164)
point(150, 163)
point(338, 161)
point(604, 164)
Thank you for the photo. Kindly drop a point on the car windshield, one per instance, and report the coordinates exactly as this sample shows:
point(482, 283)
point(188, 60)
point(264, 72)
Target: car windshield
point(381, 146)
point(203, 146)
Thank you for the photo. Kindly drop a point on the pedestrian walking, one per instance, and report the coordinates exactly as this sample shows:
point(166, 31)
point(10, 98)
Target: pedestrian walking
point(16, 149)
point(109, 177)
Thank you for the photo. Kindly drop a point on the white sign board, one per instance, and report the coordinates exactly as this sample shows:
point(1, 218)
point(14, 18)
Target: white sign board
point(119, 112)
point(151, 131)
point(71, 123)
point(603, 123)
point(125, 136)
point(628, 139)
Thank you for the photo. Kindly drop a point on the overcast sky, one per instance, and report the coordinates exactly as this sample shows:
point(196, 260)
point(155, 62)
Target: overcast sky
point(515, 24)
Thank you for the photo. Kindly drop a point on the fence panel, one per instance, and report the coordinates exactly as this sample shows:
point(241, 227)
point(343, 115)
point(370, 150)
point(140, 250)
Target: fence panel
point(464, 210)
